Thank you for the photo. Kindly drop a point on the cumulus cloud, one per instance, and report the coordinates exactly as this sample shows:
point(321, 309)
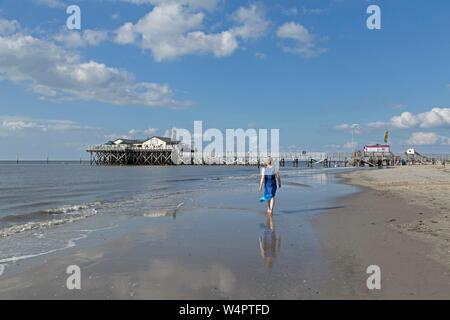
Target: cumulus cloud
point(435, 118)
point(51, 3)
point(126, 34)
point(424, 138)
point(139, 132)
point(260, 55)
point(56, 73)
point(8, 27)
point(198, 4)
point(75, 39)
point(304, 43)
point(176, 28)
point(251, 21)
point(292, 11)
point(377, 125)
point(343, 126)
point(355, 127)
point(17, 125)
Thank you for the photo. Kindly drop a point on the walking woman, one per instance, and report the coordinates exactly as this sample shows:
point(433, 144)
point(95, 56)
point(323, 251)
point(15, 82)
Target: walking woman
point(270, 178)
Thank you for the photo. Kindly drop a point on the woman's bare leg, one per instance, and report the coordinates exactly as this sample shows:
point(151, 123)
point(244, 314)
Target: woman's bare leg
point(271, 205)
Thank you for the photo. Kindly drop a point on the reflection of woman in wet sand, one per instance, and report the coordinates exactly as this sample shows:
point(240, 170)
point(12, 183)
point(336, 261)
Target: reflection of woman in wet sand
point(270, 177)
point(269, 243)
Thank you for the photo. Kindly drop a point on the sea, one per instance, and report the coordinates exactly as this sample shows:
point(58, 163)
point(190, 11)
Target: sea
point(47, 208)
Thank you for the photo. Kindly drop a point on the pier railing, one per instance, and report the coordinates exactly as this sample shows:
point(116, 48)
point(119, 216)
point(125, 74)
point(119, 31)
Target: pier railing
point(101, 148)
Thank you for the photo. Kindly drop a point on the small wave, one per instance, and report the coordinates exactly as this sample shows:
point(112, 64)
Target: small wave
point(38, 225)
point(70, 244)
point(44, 214)
point(71, 209)
point(242, 177)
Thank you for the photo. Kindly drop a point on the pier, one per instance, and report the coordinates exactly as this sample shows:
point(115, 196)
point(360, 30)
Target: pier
point(169, 156)
point(113, 156)
point(162, 151)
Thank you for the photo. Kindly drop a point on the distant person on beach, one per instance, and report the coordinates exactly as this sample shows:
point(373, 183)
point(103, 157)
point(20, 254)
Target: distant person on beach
point(270, 179)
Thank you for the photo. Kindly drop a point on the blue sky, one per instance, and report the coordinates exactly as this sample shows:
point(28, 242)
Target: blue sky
point(139, 67)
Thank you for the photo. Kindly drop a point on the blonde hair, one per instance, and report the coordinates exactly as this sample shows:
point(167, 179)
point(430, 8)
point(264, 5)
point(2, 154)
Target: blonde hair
point(269, 161)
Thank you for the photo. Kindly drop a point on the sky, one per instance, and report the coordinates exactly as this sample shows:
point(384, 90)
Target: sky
point(311, 68)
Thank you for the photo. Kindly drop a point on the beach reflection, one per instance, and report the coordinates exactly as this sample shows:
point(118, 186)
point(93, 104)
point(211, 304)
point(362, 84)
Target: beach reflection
point(269, 242)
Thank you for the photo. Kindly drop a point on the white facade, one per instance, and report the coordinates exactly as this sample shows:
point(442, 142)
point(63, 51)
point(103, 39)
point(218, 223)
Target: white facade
point(151, 143)
point(377, 148)
point(157, 143)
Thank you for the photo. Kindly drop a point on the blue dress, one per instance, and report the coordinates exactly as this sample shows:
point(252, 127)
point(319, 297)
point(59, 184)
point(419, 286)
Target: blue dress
point(270, 184)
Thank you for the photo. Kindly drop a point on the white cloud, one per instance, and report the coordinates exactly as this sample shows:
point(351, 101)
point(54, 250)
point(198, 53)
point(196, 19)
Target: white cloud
point(252, 22)
point(142, 133)
point(260, 55)
point(126, 34)
point(424, 138)
point(51, 3)
point(197, 4)
point(17, 125)
point(343, 126)
point(435, 118)
point(150, 131)
point(304, 43)
point(405, 120)
point(8, 27)
point(377, 125)
point(312, 10)
point(292, 11)
point(176, 28)
point(59, 74)
point(74, 39)
point(356, 128)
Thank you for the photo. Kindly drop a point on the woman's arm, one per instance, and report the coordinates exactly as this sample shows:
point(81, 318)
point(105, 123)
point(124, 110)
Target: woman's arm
point(261, 180)
point(278, 177)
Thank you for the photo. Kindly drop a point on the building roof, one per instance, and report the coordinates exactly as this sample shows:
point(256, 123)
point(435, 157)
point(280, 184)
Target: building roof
point(165, 139)
point(168, 141)
point(130, 141)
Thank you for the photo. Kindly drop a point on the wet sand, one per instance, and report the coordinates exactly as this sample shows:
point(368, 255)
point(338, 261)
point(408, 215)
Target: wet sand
point(422, 186)
point(399, 222)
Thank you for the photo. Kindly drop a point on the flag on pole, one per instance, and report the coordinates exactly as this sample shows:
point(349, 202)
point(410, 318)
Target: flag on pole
point(386, 137)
